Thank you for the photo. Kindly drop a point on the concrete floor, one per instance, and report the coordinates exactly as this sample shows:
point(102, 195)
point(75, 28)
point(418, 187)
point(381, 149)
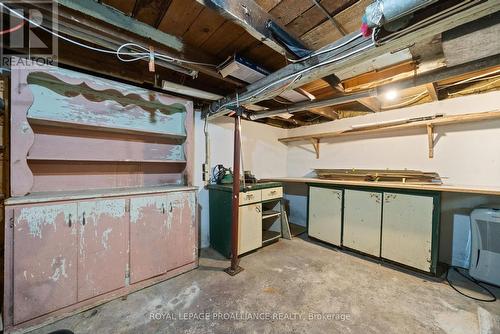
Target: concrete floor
point(297, 280)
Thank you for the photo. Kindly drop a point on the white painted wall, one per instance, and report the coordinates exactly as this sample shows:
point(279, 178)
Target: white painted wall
point(262, 154)
point(464, 154)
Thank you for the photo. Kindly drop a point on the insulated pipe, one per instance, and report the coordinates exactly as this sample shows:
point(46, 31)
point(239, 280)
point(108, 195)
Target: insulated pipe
point(314, 104)
point(383, 11)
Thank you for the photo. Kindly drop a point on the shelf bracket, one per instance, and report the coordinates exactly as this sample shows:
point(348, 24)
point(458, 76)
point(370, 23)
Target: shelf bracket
point(430, 139)
point(315, 143)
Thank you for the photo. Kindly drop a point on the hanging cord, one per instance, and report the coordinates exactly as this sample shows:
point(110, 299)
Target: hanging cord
point(473, 280)
point(119, 53)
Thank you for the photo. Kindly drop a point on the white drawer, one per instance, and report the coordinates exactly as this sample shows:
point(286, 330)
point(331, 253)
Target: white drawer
point(250, 197)
point(272, 193)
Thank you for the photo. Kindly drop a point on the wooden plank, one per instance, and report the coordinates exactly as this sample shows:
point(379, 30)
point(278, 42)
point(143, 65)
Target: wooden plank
point(349, 19)
point(267, 5)
point(432, 90)
point(204, 27)
point(379, 77)
point(371, 103)
point(224, 36)
point(287, 11)
point(124, 6)
point(314, 16)
point(470, 189)
point(179, 17)
point(151, 11)
point(456, 119)
point(328, 112)
point(250, 16)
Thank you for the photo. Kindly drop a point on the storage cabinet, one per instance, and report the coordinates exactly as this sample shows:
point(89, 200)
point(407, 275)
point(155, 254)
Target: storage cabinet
point(400, 226)
point(69, 253)
point(102, 246)
point(250, 228)
point(260, 216)
point(407, 234)
point(182, 235)
point(362, 221)
point(148, 237)
point(325, 214)
point(46, 256)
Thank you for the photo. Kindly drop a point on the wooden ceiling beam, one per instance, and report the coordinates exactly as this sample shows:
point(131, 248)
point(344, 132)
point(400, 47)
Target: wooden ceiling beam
point(116, 25)
point(251, 17)
point(328, 112)
point(371, 103)
point(432, 90)
point(301, 73)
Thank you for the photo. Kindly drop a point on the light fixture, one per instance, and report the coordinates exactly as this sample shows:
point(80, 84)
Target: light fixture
point(188, 91)
point(391, 95)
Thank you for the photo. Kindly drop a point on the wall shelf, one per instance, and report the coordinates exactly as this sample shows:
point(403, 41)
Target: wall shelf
point(424, 123)
point(107, 160)
point(79, 126)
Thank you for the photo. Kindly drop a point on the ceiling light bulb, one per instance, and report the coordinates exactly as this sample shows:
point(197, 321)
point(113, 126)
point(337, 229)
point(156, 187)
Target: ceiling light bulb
point(391, 95)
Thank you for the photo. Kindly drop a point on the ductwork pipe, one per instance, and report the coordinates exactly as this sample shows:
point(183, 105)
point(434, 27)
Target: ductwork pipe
point(383, 11)
point(314, 104)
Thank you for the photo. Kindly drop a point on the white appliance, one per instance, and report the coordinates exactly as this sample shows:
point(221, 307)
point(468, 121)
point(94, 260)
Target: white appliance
point(485, 248)
point(460, 249)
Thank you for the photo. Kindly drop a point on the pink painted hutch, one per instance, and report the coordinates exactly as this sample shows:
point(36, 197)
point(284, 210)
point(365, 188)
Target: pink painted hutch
point(102, 201)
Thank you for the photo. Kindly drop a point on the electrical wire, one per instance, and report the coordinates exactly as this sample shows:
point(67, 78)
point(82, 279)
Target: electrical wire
point(464, 92)
point(295, 76)
point(319, 52)
point(473, 280)
point(119, 53)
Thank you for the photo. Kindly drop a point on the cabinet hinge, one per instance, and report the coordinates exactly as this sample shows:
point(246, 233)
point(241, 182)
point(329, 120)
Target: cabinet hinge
point(127, 206)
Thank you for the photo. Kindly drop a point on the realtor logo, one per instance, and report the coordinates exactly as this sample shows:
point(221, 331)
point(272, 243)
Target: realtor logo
point(25, 32)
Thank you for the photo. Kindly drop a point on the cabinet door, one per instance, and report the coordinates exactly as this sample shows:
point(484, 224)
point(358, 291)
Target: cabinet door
point(407, 229)
point(182, 236)
point(250, 228)
point(325, 214)
point(102, 251)
point(362, 221)
point(45, 259)
point(148, 237)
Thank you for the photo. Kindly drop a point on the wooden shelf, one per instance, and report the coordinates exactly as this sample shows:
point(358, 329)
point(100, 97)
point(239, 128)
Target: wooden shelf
point(75, 125)
point(106, 160)
point(428, 124)
point(268, 236)
point(270, 213)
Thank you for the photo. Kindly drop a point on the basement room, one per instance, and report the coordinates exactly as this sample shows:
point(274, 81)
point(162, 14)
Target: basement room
point(250, 166)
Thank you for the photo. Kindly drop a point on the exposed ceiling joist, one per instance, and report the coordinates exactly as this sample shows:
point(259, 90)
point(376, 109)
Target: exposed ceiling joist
point(432, 90)
point(251, 17)
point(358, 51)
point(371, 103)
point(97, 17)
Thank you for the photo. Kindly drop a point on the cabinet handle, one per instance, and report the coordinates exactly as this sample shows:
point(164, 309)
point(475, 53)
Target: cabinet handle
point(249, 196)
point(83, 219)
point(273, 192)
point(163, 208)
point(69, 220)
point(171, 208)
point(257, 208)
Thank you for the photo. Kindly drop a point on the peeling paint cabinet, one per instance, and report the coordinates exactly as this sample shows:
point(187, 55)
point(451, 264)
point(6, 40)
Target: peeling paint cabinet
point(363, 221)
point(407, 235)
point(325, 214)
point(399, 226)
point(46, 257)
point(67, 253)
